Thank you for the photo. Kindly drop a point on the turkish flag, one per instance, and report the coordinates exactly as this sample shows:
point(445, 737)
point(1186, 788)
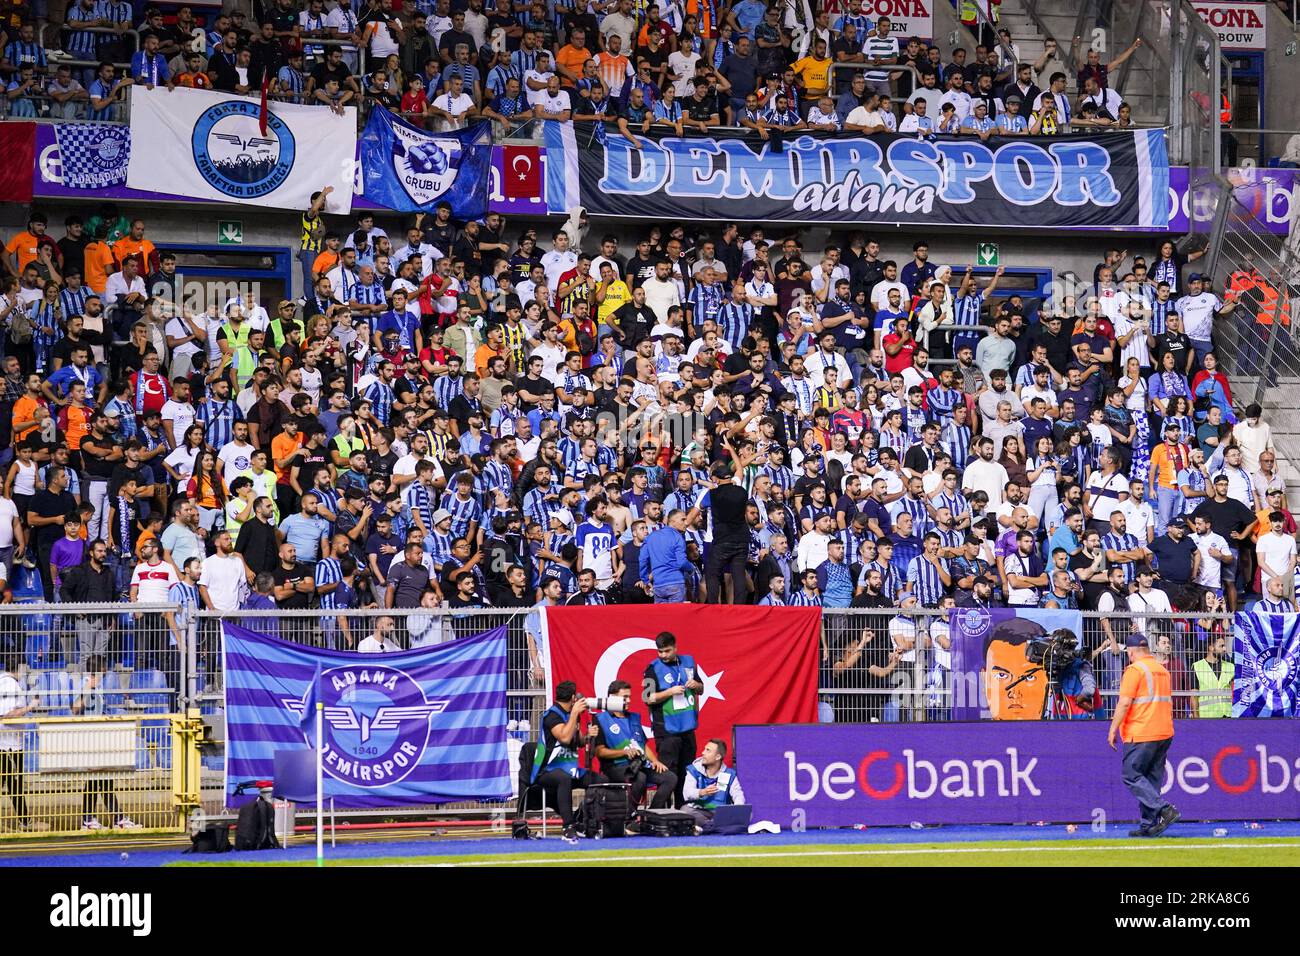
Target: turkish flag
point(758, 665)
point(18, 146)
point(521, 171)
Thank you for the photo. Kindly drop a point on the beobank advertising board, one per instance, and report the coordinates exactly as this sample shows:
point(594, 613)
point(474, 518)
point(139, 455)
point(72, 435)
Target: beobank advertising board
point(832, 775)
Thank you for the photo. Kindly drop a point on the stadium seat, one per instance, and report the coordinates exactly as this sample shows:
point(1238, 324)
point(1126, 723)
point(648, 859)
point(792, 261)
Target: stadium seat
point(56, 692)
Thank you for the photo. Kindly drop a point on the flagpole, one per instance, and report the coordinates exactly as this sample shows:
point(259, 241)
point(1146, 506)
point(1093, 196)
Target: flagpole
point(320, 774)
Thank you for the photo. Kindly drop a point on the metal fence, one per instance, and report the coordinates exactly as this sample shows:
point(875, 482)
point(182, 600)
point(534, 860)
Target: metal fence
point(133, 768)
point(875, 665)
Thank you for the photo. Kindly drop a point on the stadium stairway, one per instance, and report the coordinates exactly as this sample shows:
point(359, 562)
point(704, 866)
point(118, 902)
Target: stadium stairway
point(1281, 406)
point(1031, 20)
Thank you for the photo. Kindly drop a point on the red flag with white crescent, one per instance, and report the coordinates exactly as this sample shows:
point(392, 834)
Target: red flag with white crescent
point(758, 665)
point(521, 174)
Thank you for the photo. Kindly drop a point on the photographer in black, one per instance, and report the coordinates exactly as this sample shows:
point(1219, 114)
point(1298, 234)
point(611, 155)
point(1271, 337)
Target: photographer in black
point(624, 752)
point(555, 763)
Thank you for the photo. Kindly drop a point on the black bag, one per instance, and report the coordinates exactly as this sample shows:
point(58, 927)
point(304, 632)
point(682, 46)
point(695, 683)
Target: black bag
point(212, 839)
point(604, 810)
point(255, 829)
point(665, 823)
point(531, 796)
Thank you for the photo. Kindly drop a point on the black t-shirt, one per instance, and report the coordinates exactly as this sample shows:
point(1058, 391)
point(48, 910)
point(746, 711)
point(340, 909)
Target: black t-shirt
point(1091, 589)
point(727, 502)
point(74, 253)
point(382, 465)
point(322, 74)
point(309, 463)
point(1174, 558)
point(299, 572)
point(46, 504)
point(803, 485)
point(121, 473)
point(1176, 342)
point(533, 386)
point(1226, 517)
point(450, 40)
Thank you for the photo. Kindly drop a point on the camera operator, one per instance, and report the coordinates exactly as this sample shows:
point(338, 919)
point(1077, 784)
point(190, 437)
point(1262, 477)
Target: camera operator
point(669, 687)
point(1075, 695)
point(555, 764)
point(624, 753)
point(710, 783)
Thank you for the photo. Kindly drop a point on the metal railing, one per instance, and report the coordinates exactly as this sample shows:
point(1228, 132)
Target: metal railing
point(879, 664)
point(114, 772)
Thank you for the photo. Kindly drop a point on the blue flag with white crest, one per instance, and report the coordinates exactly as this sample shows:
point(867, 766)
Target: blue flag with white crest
point(410, 169)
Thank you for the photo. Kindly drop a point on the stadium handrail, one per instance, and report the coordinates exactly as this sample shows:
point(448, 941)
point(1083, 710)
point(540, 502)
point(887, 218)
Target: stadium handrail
point(66, 60)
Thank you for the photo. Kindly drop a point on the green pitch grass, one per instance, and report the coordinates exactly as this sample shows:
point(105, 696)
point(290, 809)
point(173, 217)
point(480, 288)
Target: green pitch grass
point(1107, 853)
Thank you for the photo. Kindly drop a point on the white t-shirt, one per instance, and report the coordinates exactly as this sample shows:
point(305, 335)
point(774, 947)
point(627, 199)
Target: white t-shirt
point(153, 582)
point(182, 460)
point(1154, 601)
point(8, 512)
point(1277, 551)
point(1102, 494)
point(181, 416)
point(1210, 574)
point(683, 64)
point(1197, 312)
point(554, 103)
point(235, 458)
point(988, 477)
point(373, 645)
point(226, 580)
point(861, 116)
point(178, 328)
point(457, 106)
point(1138, 517)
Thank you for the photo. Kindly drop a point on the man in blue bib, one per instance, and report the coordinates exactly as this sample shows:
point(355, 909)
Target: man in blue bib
point(669, 686)
point(710, 783)
point(555, 763)
point(625, 755)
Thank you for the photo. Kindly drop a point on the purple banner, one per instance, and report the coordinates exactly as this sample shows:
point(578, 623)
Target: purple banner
point(1059, 772)
point(1269, 194)
point(47, 182)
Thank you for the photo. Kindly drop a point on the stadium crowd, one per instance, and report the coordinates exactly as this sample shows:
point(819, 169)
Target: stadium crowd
point(770, 68)
point(499, 420)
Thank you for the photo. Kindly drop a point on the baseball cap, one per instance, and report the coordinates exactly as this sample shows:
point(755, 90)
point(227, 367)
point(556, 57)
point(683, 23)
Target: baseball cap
point(1180, 522)
point(1172, 426)
point(1195, 277)
point(1135, 640)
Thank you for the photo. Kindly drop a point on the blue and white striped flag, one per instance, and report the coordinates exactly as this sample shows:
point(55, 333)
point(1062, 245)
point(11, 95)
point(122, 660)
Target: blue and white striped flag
point(1266, 651)
point(421, 726)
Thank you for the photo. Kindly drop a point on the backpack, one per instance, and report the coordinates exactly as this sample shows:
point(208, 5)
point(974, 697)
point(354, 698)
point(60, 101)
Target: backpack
point(255, 829)
point(212, 839)
point(20, 328)
point(604, 810)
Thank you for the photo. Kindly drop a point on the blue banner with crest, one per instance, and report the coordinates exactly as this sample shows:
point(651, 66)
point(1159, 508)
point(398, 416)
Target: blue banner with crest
point(410, 169)
point(420, 726)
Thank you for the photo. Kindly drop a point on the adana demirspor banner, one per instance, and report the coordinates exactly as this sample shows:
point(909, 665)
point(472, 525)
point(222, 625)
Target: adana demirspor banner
point(410, 170)
point(419, 726)
point(1110, 180)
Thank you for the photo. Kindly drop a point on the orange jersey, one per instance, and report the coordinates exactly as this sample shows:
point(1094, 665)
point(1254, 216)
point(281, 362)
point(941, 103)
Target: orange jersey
point(99, 266)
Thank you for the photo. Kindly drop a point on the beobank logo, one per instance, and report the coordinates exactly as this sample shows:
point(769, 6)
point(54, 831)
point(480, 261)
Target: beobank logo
point(882, 775)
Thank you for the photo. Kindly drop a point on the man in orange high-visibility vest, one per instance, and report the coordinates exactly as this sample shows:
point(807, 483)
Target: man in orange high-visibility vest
point(1144, 721)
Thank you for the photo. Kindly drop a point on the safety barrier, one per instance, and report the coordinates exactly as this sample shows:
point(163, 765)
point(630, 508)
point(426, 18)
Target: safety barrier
point(133, 768)
point(876, 665)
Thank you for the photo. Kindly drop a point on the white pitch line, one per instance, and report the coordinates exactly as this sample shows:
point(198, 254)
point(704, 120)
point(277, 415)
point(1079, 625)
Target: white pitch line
point(580, 857)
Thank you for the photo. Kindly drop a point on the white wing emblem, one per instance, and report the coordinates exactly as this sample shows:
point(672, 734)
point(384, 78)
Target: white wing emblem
point(385, 718)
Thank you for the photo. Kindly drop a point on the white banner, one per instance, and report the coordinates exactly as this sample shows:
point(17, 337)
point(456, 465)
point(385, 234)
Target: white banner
point(1240, 26)
point(210, 145)
point(908, 18)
